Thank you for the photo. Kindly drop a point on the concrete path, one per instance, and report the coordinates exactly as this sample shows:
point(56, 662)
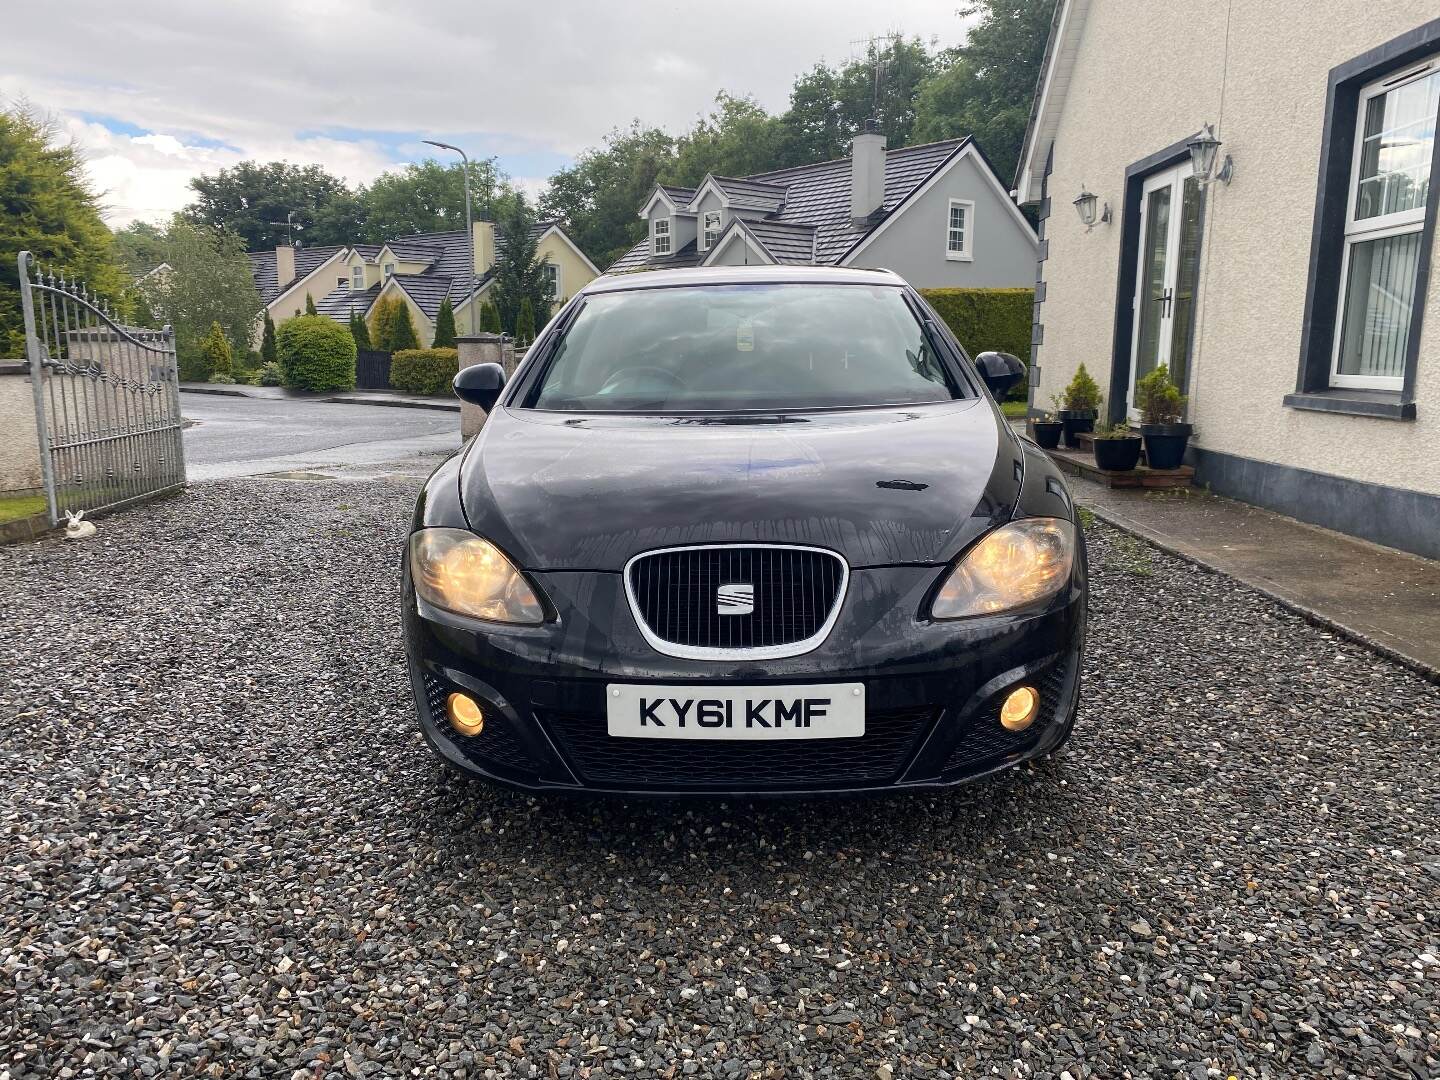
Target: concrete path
point(1386, 598)
point(345, 397)
point(247, 436)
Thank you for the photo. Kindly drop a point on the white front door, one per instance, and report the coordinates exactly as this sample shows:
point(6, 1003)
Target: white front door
point(1166, 275)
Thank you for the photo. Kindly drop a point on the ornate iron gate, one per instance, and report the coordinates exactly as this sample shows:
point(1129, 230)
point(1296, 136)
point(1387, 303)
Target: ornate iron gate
point(107, 398)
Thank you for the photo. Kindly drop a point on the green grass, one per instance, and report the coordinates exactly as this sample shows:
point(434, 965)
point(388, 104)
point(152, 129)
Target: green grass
point(1014, 410)
point(14, 507)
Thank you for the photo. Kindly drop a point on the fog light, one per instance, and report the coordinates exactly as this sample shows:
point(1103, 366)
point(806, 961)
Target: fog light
point(465, 715)
point(1019, 710)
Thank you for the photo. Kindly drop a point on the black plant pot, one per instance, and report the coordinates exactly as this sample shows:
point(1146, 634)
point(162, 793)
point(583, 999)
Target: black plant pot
point(1047, 433)
point(1165, 444)
point(1076, 421)
point(1117, 455)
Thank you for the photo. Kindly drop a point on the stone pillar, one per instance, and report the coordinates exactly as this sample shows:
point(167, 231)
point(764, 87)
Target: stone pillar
point(482, 349)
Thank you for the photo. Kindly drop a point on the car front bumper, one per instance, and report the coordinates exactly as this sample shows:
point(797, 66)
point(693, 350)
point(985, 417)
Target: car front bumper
point(933, 693)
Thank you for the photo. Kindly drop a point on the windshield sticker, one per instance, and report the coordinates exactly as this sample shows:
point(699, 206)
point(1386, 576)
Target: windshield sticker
point(745, 336)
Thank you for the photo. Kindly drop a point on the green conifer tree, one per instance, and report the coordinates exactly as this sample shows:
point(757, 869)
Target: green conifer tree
point(402, 328)
point(359, 331)
point(445, 326)
point(525, 323)
point(215, 350)
point(268, 355)
point(310, 305)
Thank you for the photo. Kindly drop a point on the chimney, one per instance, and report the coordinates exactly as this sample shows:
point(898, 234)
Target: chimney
point(867, 173)
point(484, 232)
point(284, 265)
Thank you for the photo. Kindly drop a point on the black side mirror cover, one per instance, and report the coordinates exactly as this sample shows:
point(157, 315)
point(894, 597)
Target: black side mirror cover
point(1000, 371)
point(480, 384)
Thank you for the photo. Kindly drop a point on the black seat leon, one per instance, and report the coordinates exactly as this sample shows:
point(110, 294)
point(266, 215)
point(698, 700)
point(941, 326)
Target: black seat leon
point(744, 530)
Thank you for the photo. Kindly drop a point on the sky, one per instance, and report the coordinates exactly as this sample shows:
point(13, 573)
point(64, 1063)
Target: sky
point(157, 92)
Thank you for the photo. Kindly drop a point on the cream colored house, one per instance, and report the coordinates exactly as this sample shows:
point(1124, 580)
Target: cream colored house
point(422, 270)
point(1288, 287)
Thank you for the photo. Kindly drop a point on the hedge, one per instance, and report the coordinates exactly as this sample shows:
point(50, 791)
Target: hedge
point(984, 319)
point(316, 353)
point(424, 371)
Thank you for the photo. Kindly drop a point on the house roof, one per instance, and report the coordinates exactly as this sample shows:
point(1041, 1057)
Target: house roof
point(340, 301)
point(307, 261)
point(1061, 49)
point(814, 198)
point(787, 242)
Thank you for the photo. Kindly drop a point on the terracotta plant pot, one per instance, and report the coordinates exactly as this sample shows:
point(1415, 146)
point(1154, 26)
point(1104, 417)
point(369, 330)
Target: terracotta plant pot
point(1117, 455)
point(1047, 433)
point(1165, 444)
point(1076, 421)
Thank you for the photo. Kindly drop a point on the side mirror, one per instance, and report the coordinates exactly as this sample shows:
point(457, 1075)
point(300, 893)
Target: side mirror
point(480, 384)
point(1000, 370)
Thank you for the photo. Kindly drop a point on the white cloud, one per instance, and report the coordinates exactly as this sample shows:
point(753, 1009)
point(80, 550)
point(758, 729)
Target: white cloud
point(351, 84)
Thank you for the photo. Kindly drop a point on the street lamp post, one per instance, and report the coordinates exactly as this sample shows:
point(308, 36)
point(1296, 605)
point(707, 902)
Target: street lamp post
point(469, 228)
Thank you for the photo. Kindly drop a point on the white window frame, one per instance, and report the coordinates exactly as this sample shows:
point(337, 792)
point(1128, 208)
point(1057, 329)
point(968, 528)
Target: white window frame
point(357, 278)
point(344, 283)
point(668, 235)
point(389, 270)
point(1378, 227)
point(705, 231)
point(552, 269)
point(966, 251)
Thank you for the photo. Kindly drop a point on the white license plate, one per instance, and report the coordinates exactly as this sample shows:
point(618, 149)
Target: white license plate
point(828, 711)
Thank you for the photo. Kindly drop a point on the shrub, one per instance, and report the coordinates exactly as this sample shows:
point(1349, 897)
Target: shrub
point(221, 377)
point(316, 353)
point(381, 315)
point(1083, 393)
point(402, 329)
point(444, 326)
point(424, 371)
point(489, 318)
point(267, 341)
point(270, 374)
point(1158, 399)
point(215, 354)
point(359, 331)
point(310, 305)
point(984, 319)
point(525, 323)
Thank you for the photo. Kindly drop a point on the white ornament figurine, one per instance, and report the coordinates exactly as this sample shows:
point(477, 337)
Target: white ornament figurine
point(76, 528)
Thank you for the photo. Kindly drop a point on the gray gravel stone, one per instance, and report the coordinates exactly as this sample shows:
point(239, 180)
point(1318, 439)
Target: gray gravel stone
point(228, 852)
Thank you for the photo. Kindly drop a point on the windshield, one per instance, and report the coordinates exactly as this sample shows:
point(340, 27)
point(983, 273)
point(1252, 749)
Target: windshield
point(729, 348)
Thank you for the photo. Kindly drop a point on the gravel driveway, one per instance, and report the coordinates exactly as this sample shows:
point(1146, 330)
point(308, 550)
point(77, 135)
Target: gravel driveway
point(227, 852)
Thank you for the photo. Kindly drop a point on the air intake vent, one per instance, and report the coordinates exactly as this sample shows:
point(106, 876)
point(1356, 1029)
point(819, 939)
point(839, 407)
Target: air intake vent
point(737, 601)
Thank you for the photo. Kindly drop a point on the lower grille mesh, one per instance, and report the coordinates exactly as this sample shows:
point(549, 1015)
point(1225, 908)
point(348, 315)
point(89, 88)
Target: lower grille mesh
point(792, 765)
point(985, 739)
point(496, 743)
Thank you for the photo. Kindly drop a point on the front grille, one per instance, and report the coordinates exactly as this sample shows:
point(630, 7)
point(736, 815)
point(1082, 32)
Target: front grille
point(984, 739)
point(873, 759)
point(676, 597)
point(495, 743)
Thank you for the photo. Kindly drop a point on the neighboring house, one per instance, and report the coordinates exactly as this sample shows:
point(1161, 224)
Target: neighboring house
point(1291, 297)
point(423, 270)
point(935, 214)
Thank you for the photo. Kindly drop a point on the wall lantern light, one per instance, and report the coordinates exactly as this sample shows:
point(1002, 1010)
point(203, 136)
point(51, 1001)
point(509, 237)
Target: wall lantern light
point(1204, 148)
point(1085, 206)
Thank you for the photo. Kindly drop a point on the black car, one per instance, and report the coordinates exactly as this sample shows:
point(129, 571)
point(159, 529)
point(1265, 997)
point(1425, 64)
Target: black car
point(744, 531)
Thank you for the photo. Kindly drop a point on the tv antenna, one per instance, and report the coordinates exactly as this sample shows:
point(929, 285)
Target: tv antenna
point(290, 227)
point(880, 64)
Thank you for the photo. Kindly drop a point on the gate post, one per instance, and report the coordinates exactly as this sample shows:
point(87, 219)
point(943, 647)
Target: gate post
point(35, 353)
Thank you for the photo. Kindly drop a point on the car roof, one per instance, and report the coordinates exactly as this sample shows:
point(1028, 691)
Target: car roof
point(742, 275)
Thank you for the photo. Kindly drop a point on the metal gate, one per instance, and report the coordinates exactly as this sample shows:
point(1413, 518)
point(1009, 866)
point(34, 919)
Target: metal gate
point(107, 398)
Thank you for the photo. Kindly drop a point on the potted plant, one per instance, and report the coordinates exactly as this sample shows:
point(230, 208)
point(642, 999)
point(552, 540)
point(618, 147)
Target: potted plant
point(1079, 406)
point(1047, 428)
point(1117, 448)
point(1161, 405)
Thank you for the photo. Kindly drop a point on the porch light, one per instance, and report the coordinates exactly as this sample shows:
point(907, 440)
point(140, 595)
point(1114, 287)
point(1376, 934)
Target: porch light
point(1204, 148)
point(1086, 204)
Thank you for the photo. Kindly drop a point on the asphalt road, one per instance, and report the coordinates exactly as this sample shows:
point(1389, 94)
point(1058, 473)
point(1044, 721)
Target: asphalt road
point(235, 436)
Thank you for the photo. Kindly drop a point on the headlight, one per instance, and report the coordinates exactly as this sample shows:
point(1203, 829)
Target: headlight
point(1015, 565)
point(461, 572)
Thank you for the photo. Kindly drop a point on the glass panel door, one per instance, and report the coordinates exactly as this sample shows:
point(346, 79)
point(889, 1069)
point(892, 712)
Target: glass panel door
point(1167, 273)
point(1150, 341)
point(1187, 276)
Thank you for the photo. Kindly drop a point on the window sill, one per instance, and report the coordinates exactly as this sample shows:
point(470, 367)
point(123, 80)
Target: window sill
point(1385, 404)
point(953, 257)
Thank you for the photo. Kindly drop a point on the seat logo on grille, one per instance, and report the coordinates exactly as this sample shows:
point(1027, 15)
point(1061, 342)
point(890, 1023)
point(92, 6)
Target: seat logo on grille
point(735, 599)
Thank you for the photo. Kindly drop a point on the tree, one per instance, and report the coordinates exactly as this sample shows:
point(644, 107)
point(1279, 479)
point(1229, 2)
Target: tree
point(519, 275)
point(382, 314)
point(250, 198)
point(209, 282)
point(814, 127)
point(215, 355)
point(525, 323)
point(47, 208)
point(310, 305)
point(596, 198)
point(737, 138)
point(986, 85)
point(140, 247)
point(402, 328)
point(267, 341)
point(444, 326)
point(489, 318)
point(359, 331)
point(429, 197)
point(883, 85)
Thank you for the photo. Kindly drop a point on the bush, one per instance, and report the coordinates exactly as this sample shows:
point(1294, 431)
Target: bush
point(402, 329)
point(424, 371)
point(221, 377)
point(1158, 398)
point(382, 313)
point(1083, 393)
point(985, 319)
point(316, 353)
point(489, 318)
point(215, 355)
point(360, 332)
point(270, 374)
point(444, 326)
point(268, 354)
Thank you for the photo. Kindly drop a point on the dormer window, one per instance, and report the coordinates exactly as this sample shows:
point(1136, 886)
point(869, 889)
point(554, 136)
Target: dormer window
point(712, 230)
point(389, 270)
point(660, 236)
point(357, 278)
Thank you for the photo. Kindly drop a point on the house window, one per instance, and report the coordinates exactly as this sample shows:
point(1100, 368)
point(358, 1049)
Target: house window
point(342, 282)
point(1389, 186)
point(389, 270)
point(552, 280)
point(660, 236)
point(357, 278)
point(712, 229)
point(959, 231)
